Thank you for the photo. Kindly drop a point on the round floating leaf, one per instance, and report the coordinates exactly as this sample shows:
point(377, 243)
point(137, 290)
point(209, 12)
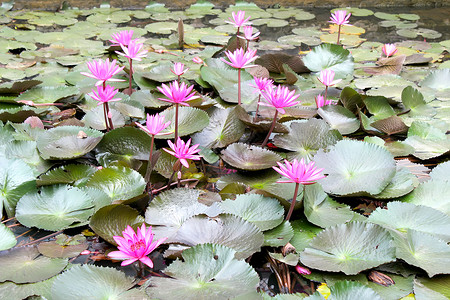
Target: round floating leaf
point(264, 212)
point(54, 208)
point(433, 193)
point(349, 248)
point(67, 142)
point(161, 73)
point(7, 238)
point(385, 16)
point(351, 164)
point(436, 288)
point(304, 232)
point(53, 249)
point(437, 79)
point(207, 271)
point(306, 138)
point(161, 27)
point(424, 251)
point(279, 236)
point(25, 264)
point(16, 179)
point(120, 183)
point(48, 94)
point(111, 220)
point(402, 183)
point(332, 57)
point(96, 283)
point(441, 171)
point(190, 120)
point(224, 229)
point(224, 128)
point(352, 290)
point(243, 156)
point(339, 118)
point(76, 175)
point(95, 118)
point(404, 216)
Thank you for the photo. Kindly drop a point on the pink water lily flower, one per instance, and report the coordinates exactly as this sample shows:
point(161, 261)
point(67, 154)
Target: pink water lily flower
point(182, 151)
point(103, 95)
point(248, 34)
point(389, 49)
point(240, 59)
point(279, 98)
point(302, 270)
point(261, 84)
point(299, 172)
point(177, 93)
point(134, 246)
point(198, 60)
point(327, 78)
point(238, 19)
point(321, 101)
point(340, 17)
point(103, 71)
point(155, 124)
point(122, 38)
point(134, 50)
point(178, 69)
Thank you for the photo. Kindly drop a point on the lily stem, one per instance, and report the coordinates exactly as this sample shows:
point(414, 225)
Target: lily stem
point(257, 109)
point(339, 35)
point(176, 123)
point(130, 75)
point(109, 119)
point(149, 166)
point(291, 208)
point(239, 86)
point(271, 129)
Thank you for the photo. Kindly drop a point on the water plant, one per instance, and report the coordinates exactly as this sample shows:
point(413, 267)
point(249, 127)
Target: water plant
point(340, 18)
point(132, 51)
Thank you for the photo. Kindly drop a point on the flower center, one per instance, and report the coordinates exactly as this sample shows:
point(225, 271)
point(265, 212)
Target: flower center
point(138, 245)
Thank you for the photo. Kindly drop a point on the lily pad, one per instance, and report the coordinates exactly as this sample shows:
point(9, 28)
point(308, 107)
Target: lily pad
point(243, 156)
point(441, 171)
point(339, 118)
point(207, 270)
point(76, 175)
point(349, 248)
point(352, 290)
point(95, 118)
point(436, 79)
point(332, 57)
point(190, 120)
point(433, 193)
point(279, 236)
point(7, 238)
point(48, 94)
point(54, 208)
point(304, 232)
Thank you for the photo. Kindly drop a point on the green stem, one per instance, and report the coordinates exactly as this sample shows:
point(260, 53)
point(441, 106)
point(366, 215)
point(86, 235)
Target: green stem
point(326, 93)
point(149, 166)
point(239, 86)
point(111, 126)
point(176, 123)
point(130, 75)
point(271, 129)
point(291, 208)
point(339, 35)
point(257, 109)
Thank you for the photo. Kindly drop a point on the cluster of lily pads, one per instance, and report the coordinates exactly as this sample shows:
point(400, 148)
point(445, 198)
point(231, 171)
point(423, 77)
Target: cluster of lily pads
point(366, 121)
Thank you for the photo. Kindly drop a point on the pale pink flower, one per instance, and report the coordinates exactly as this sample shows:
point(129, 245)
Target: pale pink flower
point(279, 98)
point(302, 270)
point(248, 34)
point(238, 19)
point(299, 172)
point(389, 49)
point(103, 95)
point(340, 17)
point(240, 59)
point(178, 69)
point(134, 50)
point(103, 71)
point(177, 93)
point(182, 151)
point(135, 246)
point(327, 78)
point(121, 38)
point(154, 125)
point(198, 60)
point(261, 84)
point(320, 101)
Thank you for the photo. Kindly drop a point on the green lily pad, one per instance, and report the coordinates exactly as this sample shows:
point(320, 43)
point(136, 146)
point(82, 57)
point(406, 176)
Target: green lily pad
point(264, 212)
point(402, 183)
point(352, 290)
point(432, 288)
point(304, 232)
point(271, 22)
point(339, 118)
point(25, 264)
point(120, 183)
point(54, 208)
point(111, 220)
point(76, 175)
point(433, 193)
point(161, 72)
point(349, 248)
point(67, 142)
point(92, 282)
point(436, 79)
point(243, 156)
point(207, 270)
point(349, 170)
point(54, 250)
point(190, 120)
point(279, 236)
point(224, 128)
point(385, 16)
point(7, 238)
point(161, 27)
point(441, 171)
point(48, 94)
point(95, 118)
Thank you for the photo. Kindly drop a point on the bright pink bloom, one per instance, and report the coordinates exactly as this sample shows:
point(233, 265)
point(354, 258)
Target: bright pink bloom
point(320, 101)
point(261, 84)
point(135, 246)
point(299, 172)
point(182, 151)
point(238, 19)
point(177, 94)
point(198, 60)
point(248, 34)
point(327, 77)
point(302, 270)
point(178, 69)
point(239, 59)
point(389, 49)
point(340, 17)
point(122, 38)
point(134, 50)
point(103, 71)
point(154, 125)
point(103, 95)
point(279, 98)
